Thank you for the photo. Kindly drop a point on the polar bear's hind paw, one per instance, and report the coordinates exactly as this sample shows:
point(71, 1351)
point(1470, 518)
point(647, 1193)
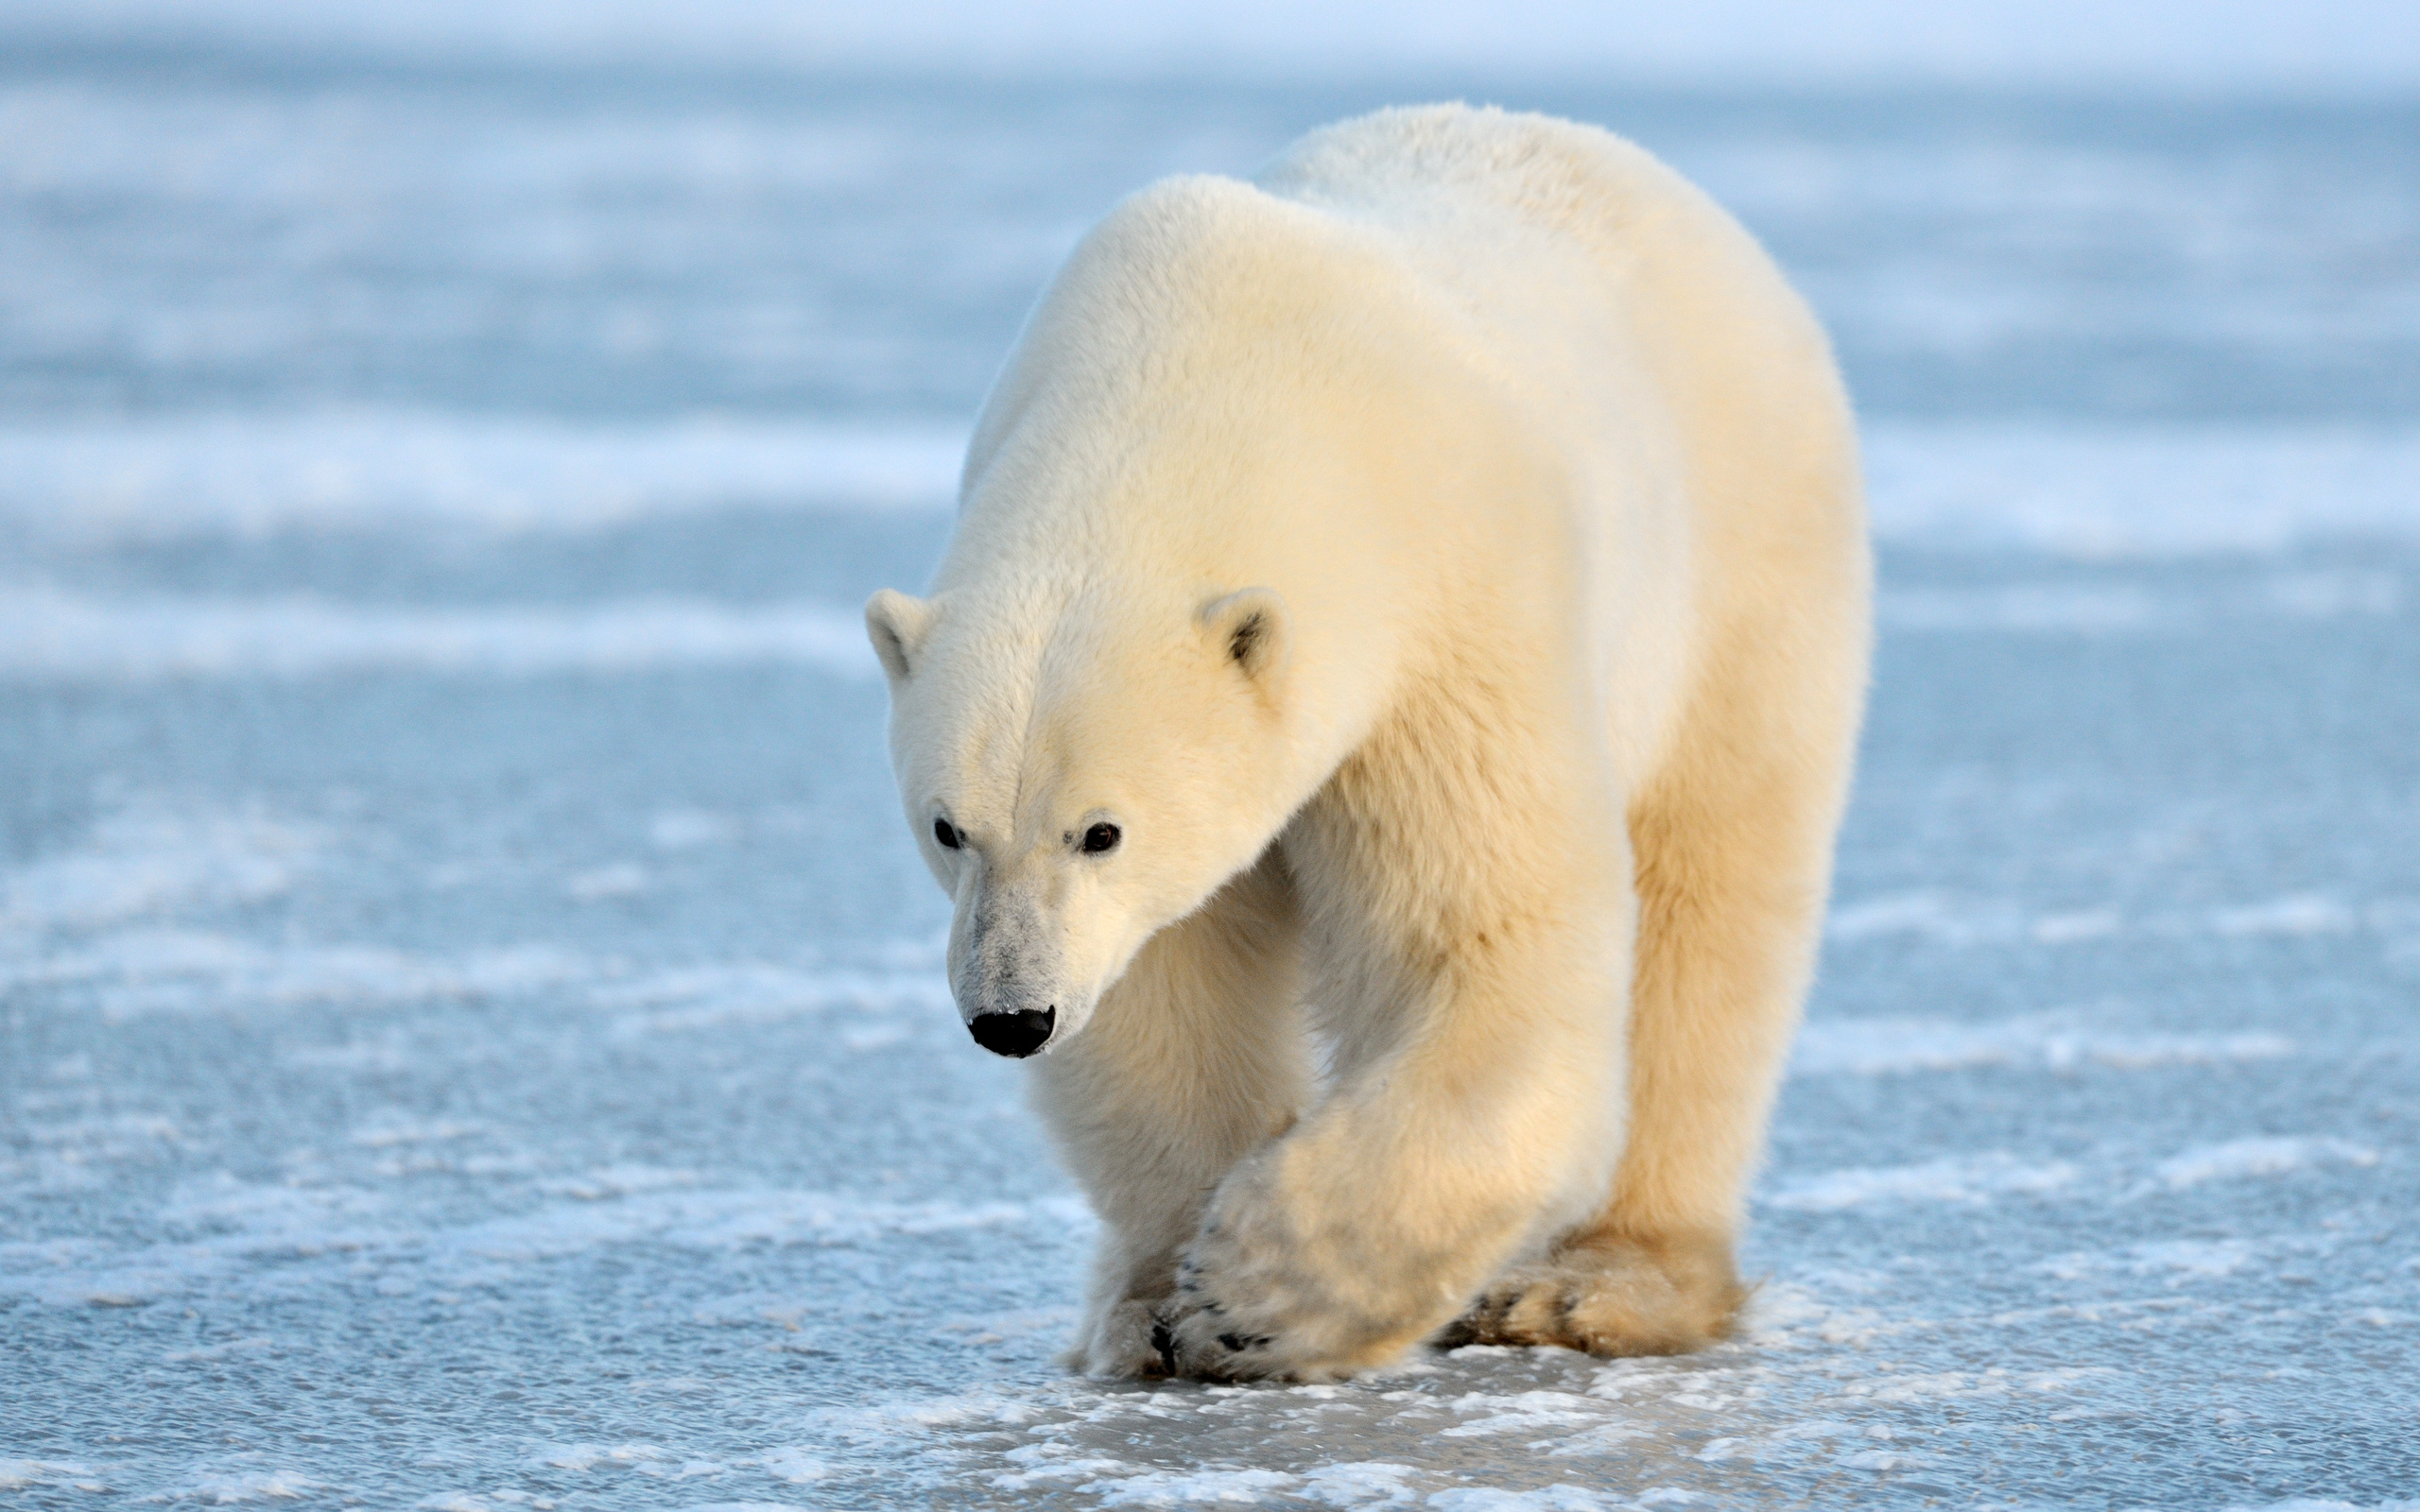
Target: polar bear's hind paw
point(1612, 1296)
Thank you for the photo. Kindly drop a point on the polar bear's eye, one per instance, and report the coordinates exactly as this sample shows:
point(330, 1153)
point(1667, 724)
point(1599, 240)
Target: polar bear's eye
point(1101, 838)
point(949, 837)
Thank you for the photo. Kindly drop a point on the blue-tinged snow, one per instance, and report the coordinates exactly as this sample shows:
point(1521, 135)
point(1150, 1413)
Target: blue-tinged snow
point(471, 1026)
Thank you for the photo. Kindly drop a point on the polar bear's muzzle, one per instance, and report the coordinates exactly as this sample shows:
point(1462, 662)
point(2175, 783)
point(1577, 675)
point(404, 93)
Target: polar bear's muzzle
point(1004, 975)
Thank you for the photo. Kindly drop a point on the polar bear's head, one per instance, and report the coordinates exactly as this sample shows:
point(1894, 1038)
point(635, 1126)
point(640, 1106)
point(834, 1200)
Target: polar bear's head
point(1080, 770)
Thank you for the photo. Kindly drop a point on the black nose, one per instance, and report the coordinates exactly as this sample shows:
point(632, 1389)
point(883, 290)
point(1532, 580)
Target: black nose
point(1018, 1035)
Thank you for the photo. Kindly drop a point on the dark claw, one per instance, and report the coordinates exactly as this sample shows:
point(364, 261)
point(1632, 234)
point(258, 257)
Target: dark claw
point(1239, 1343)
point(1164, 1341)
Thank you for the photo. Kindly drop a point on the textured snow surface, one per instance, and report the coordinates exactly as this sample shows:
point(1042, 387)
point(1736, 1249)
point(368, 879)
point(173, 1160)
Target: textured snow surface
point(471, 1026)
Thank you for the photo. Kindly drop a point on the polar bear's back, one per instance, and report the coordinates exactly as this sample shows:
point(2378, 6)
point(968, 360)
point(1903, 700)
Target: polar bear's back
point(1697, 298)
point(1559, 174)
point(1714, 442)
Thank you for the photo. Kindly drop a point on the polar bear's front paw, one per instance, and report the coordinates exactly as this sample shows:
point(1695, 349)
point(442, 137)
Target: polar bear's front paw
point(1198, 1337)
point(1281, 1283)
point(1612, 1296)
point(1249, 1306)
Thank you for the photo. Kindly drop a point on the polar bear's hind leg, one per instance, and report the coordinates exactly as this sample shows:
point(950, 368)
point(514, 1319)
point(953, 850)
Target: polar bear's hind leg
point(1732, 845)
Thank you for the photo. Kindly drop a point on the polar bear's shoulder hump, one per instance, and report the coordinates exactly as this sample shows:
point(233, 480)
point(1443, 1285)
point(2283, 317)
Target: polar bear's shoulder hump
point(1548, 170)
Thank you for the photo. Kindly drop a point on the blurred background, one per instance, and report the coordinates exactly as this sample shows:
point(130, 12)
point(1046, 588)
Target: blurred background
point(471, 1026)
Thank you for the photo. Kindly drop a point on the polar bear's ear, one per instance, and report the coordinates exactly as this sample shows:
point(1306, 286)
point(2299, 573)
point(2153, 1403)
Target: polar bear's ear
point(896, 626)
point(1248, 629)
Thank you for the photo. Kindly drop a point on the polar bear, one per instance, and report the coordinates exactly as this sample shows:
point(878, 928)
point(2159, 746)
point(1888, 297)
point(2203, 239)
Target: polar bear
point(1382, 717)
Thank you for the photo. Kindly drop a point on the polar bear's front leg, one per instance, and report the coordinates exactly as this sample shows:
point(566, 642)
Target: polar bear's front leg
point(1474, 988)
point(1192, 1059)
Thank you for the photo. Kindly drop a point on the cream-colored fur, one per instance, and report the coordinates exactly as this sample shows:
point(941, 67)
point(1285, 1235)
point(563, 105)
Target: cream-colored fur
point(1442, 562)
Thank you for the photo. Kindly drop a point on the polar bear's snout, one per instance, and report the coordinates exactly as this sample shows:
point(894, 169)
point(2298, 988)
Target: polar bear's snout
point(1003, 975)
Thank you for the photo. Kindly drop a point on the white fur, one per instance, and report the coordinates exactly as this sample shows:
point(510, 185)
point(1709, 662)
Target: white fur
point(1443, 558)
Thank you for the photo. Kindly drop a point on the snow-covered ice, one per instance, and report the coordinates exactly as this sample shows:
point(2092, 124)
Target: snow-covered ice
point(471, 1026)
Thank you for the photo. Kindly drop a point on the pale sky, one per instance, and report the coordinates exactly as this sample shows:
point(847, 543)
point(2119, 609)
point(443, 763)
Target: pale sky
point(2223, 45)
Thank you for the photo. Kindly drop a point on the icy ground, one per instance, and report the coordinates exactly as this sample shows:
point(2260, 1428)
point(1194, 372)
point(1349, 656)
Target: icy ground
point(469, 1026)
